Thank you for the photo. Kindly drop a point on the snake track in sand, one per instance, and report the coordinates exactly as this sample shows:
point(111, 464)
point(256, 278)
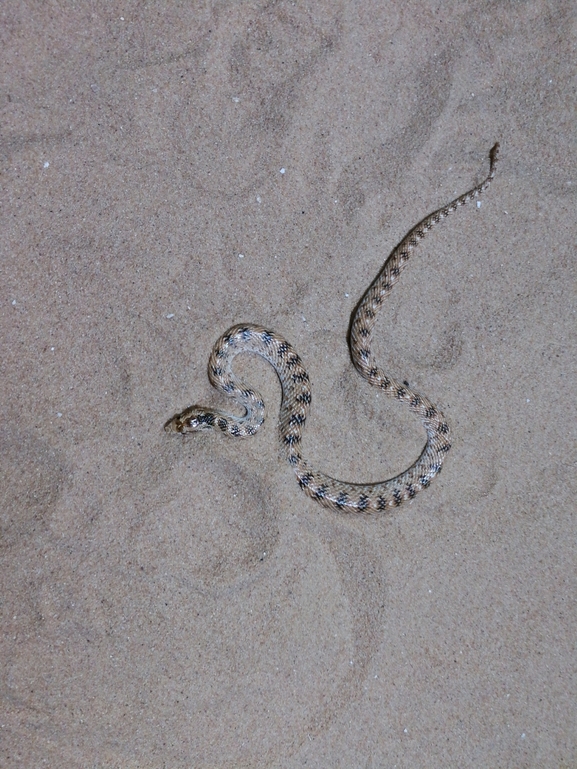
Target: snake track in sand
point(296, 393)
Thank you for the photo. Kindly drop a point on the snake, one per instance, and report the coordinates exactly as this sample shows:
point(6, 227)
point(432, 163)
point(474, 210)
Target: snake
point(362, 498)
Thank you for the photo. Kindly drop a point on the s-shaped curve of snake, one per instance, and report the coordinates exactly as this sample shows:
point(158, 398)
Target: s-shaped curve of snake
point(296, 392)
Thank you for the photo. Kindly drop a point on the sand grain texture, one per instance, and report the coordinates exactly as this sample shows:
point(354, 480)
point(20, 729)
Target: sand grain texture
point(170, 603)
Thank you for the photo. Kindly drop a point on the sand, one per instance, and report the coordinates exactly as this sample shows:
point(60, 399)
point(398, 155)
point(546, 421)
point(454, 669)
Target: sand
point(170, 169)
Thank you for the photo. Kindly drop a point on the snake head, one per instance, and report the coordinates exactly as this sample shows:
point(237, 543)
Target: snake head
point(191, 420)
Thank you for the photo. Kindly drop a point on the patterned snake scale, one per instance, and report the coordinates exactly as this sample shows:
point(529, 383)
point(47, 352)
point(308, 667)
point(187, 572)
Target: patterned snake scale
point(296, 391)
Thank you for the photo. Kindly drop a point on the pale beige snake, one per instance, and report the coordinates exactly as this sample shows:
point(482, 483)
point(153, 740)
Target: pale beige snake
point(296, 392)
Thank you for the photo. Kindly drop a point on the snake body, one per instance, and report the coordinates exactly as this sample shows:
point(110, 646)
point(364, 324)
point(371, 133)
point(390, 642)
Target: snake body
point(296, 392)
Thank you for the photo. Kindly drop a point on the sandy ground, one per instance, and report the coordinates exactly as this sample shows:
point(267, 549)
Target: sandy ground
point(169, 169)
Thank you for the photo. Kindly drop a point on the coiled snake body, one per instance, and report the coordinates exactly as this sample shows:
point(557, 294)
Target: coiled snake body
point(296, 393)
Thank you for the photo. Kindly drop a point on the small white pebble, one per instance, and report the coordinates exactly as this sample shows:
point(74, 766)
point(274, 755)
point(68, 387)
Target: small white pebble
point(58, 414)
point(235, 99)
point(258, 199)
point(347, 295)
point(46, 164)
point(283, 170)
point(14, 303)
point(52, 348)
point(479, 203)
point(170, 315)
point(241, 256)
